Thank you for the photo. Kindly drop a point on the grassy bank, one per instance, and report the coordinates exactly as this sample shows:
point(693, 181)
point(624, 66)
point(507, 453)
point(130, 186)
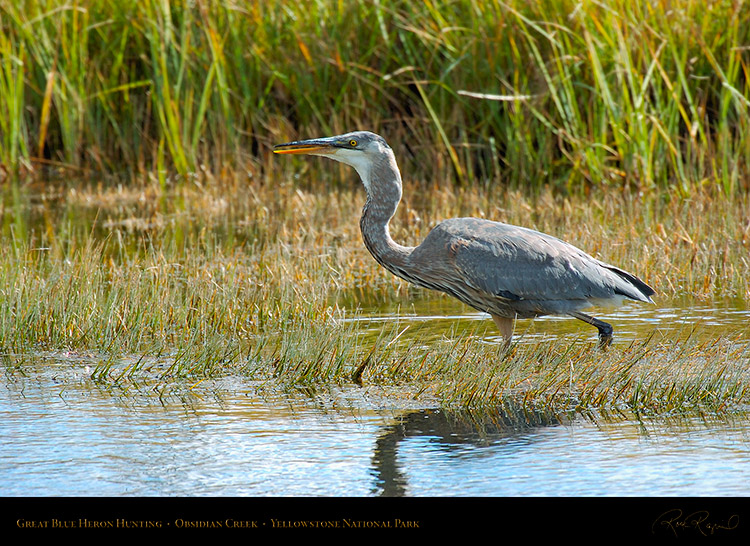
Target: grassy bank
point(628, 94)
point(257, 280)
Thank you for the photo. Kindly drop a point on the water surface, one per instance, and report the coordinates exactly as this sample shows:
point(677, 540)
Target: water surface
point(436, 317)
point(65, 436)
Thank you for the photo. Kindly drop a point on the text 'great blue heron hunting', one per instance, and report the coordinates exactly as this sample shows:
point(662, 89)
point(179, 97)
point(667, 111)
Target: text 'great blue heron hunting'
point(507, 271)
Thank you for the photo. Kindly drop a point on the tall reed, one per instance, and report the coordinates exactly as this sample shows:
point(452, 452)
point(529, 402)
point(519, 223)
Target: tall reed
point(637, 94)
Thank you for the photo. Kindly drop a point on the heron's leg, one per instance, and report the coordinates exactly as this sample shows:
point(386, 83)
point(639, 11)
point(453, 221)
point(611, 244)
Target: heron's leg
point(505, 325)
point(605, 329)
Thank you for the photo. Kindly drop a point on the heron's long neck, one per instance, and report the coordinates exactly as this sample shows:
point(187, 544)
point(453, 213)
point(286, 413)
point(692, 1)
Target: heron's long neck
point(383, 185)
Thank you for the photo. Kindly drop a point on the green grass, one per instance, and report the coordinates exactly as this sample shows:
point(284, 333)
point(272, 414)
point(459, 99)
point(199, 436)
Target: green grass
point(643, 95)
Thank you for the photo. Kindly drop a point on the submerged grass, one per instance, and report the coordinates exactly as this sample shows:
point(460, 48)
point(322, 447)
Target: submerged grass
point(163, 287)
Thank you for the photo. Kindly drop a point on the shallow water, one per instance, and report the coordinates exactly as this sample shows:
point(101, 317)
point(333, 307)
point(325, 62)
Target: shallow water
point(65, 436)
point(444, 317)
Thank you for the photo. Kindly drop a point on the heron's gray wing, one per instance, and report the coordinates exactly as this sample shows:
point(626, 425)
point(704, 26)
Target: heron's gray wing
point(519, 264)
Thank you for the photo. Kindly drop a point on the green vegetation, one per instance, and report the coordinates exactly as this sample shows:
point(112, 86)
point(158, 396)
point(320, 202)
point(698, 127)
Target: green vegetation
point(637, 94)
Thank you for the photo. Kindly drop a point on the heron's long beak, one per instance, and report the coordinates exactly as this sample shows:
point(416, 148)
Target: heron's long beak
point(305, 146)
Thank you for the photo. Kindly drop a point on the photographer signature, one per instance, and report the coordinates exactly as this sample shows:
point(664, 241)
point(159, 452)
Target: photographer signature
point(676, 521)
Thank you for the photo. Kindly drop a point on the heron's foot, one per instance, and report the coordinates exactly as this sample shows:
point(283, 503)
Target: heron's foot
point(605, 338)
point(605, 329)
point(506, 348)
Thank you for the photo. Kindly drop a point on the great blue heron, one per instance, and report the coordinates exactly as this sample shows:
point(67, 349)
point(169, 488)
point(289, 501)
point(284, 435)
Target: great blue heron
point(507, 271)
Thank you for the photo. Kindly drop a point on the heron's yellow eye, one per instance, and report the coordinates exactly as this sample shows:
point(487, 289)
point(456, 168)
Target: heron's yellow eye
point(352, 143)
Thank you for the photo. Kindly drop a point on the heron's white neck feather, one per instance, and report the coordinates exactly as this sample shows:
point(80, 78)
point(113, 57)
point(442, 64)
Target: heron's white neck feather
point(361, 163)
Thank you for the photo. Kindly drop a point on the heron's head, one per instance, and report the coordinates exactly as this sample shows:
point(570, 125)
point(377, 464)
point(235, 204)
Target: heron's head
point(360, 149)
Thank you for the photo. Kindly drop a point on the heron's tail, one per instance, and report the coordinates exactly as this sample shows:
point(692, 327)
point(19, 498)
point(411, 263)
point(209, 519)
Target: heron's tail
point(633, 287)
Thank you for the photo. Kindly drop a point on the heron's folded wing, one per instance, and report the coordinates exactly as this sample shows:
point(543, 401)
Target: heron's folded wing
point(516, 263)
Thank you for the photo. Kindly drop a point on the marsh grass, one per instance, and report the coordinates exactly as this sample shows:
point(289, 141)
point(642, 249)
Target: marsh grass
point(644, 94)
point(621, 127)
point(165, 289)
point(648, 377)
